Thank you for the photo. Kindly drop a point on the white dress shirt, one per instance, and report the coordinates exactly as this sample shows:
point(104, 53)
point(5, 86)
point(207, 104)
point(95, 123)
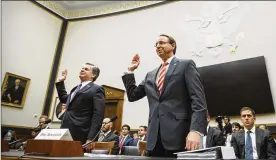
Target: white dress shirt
point(205, 137)
point(253, 137)
point(228, 140)
point(82, 85)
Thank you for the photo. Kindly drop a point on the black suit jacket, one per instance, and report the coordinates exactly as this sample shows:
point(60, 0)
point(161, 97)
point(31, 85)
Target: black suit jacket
point(214, 138)
point(266, 147)
point(112, 137)
point(85, 112)
point(16, 94)
point(180, 108)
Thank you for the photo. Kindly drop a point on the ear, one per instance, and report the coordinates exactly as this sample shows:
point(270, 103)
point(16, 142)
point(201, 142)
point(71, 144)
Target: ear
point(93, 77)
point(173, 45)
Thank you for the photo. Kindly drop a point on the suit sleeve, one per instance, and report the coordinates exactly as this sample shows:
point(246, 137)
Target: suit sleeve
point(271, 147)
point(235, 146)
point(197, 97)
point(98, 112)
point(134, 92)
point(115, 149)
point(62, 93)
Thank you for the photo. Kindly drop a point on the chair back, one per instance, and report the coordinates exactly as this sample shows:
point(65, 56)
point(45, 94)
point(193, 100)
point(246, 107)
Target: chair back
point(130, 150)
point(142, 147)
point(104, 146)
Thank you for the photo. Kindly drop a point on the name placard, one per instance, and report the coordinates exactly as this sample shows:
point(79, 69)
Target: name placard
point(54, 134)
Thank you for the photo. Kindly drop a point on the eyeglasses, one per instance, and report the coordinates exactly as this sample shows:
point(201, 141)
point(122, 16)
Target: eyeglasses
point(160, 43)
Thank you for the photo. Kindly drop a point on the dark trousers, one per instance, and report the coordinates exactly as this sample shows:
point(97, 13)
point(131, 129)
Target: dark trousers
point(160, 151)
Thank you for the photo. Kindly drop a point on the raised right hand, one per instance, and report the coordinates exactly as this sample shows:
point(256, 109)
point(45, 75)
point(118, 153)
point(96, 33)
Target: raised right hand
point(63, 75)
point(134, 63)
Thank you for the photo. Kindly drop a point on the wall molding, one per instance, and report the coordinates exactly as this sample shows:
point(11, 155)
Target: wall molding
point(96, 11)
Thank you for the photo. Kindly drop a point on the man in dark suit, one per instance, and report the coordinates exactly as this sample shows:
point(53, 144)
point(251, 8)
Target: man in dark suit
point(142, 136)
point(252, 142)
point(214, 136)
point(108, 136)
point(125, 139)
point(176, 99)
point(15, 93)
point(85, 104)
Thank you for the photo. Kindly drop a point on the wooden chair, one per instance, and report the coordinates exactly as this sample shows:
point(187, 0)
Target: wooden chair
point(142, 147)
point(104, 146)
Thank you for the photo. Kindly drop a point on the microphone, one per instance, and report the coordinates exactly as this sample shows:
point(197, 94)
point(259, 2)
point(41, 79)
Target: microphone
point(47, 121)
point(37, 129)
point(112, 119)
point(11, 143)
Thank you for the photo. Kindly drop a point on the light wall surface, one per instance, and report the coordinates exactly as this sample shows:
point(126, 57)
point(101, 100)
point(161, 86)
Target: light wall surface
point(111, 42)
point(29, 40)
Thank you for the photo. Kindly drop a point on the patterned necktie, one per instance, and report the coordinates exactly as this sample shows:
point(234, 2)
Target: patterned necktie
point(75, 92)
point(248, 146)
point(122, 142)
point(161, 76)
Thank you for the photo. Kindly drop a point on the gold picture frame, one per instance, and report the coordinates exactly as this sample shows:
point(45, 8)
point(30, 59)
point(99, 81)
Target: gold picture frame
point(58, 111)
point(14, 90)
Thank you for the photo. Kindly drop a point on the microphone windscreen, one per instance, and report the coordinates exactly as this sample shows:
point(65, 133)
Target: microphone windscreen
point(112, 119)
point(48, 121)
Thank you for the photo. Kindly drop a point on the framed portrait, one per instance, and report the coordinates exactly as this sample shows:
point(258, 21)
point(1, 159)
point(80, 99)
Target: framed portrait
point(58, 111)
point(14, 90)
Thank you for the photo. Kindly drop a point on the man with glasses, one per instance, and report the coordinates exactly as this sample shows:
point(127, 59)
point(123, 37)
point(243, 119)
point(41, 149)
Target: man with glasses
point(176, 99)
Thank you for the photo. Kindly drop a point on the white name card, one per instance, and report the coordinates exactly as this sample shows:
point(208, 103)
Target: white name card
point(54, 134)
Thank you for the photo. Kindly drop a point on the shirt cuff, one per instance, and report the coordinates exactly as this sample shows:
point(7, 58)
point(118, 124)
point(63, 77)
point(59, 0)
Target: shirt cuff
point(198, 133)
point(128, 72)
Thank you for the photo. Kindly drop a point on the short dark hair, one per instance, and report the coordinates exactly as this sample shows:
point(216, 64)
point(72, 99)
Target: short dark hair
point(171, 41)
point(145, 127)
point(227, 118)
point(248, 109)
point(236, 124)
point(125, 125)
point(95, 70)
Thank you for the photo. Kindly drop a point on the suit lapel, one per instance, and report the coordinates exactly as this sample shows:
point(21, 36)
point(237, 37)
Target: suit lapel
point(170, 70)
point(86, 87)
point(155, 74)
point(259, 137)
point(242, 143)
point(106, 137)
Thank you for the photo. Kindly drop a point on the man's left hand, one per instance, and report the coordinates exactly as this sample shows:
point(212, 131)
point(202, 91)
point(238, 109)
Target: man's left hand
point(192, 141)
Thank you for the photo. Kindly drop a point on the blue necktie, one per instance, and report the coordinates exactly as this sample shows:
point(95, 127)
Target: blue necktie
point(248, 146)
point(75, 92)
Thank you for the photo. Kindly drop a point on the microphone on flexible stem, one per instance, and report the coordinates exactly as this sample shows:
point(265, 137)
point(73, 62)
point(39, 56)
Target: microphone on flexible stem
point(112, 119)
point(38, 127)
point(17, 141)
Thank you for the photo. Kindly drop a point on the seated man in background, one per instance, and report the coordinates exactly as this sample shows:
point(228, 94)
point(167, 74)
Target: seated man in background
point(107, 136)
point(125, 139)
point(214, 136)
point(41, 125)
point(252, 143)
point(142, 136)
point(235, 127)
point(263, 127)
point(135, 136)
